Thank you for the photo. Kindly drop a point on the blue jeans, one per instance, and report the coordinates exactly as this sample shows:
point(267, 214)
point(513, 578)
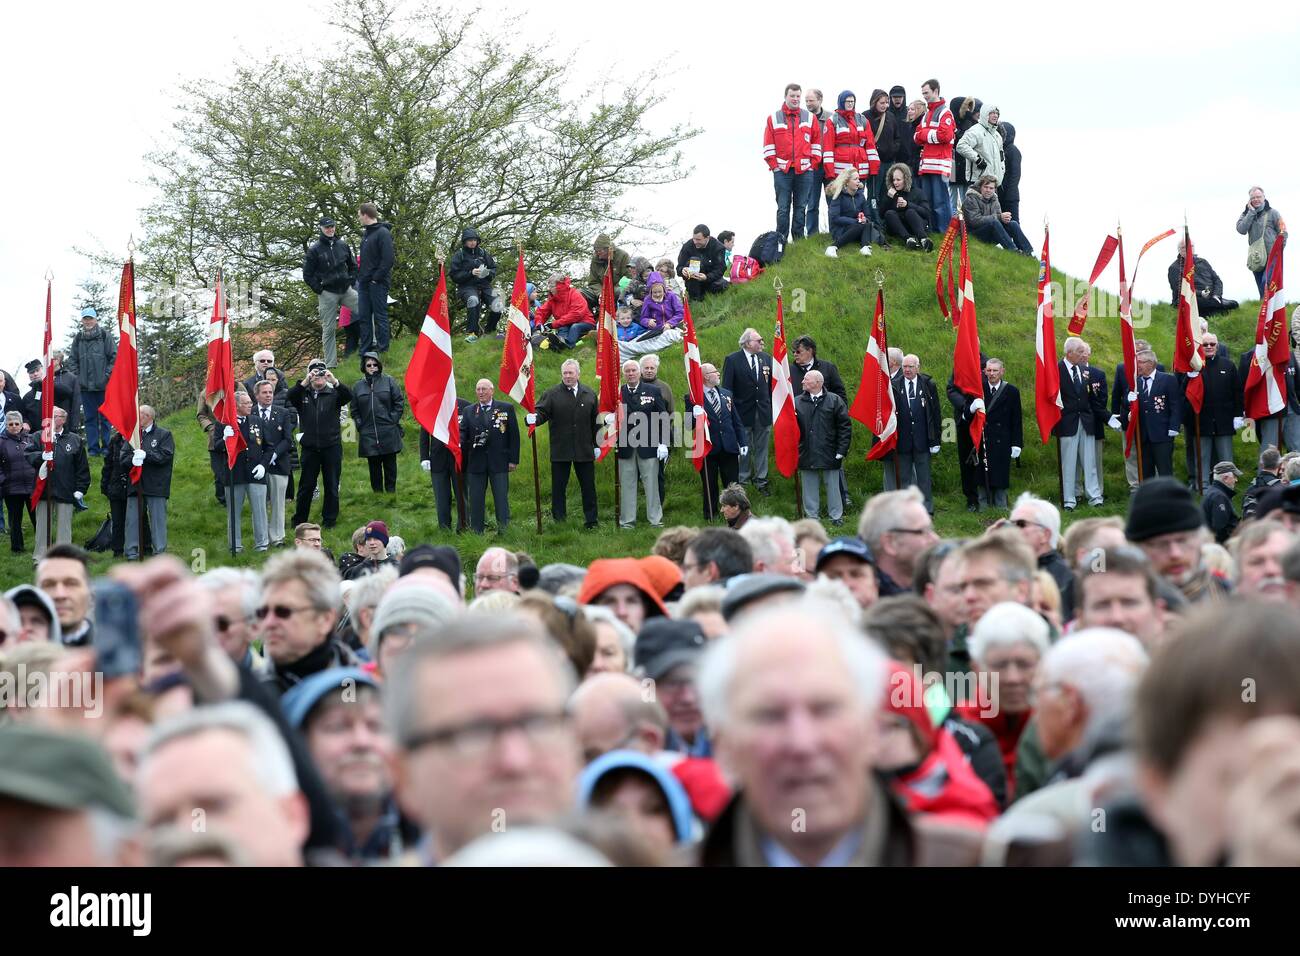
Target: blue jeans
point(935, 191)
point(571, 333)
point(793, 189)
point(1259, 282)
point(372, 313)
point(1007, 235)
point(97, 433)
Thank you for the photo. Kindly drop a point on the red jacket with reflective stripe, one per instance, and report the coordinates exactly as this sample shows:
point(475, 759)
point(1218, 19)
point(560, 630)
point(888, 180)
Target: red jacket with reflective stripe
point(935, 135)
point(848, 141)
point(792, 139)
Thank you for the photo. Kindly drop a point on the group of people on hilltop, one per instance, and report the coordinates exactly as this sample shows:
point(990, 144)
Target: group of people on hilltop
point(894, 170)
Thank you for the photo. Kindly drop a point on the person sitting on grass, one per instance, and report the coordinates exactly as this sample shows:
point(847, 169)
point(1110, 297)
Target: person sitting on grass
point(986, 220)
point(565, 311)
point(628, 329)
point(662, 310)
point(849, 211)
point(904, 209)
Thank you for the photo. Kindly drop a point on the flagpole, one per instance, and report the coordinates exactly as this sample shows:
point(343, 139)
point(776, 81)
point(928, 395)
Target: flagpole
point(139, 485)
point(532, 433)
point(48, 383)
point(230, 471)
point(618, 491)
point(884, 335)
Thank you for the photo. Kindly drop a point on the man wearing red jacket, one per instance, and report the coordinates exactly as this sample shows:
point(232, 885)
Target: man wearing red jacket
point(935, 134)
point(792, 149)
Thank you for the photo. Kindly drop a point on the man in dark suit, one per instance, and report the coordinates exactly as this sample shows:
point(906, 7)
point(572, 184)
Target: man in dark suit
point(441, 466)
point(154, 459)
point(968, 456)
point(570, 408)
point(1221, 410)
point(1119, 411)
point(247, 479)
point(916, 400)
point(276, 424)
point(1162, 415)
point(1003, 432)
point(66, 487)
point(642, 442)
point(804, 351)
point(824, 436)
point(1097, 386)
point(726, 434)
point(490, 443)
point(1081, 406)
point(747, 375)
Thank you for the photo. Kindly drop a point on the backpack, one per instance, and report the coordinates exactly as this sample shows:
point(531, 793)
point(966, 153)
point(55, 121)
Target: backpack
point(103, 538)
point(768, 248)
point(743, 268)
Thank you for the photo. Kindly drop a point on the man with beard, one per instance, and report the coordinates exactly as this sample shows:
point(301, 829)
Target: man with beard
point(1165, 522)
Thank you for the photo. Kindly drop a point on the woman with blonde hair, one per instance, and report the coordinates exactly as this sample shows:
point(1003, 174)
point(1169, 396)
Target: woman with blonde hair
point(849, 210)
point(904, 209)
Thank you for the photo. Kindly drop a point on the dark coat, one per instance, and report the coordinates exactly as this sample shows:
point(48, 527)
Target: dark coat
point(71, 466)
point(17, 473)
point(1220, 517)
point(1223, 397)
point(377, 255)
point(727, 433)
point(713, 259)
point(1207, 281)
point(752, 398)
point(465, 261)
point(377, 407)
point(159, 453)
point(90, 358)
point(574, 430)
point(115, 475)
point(831, 379)
point(824, 431)
point(277, 436)
point(1003, 430)
point(253, 453)
point(67, 396)
point(318, 413)
point(1250, 500)
point(279, 398)
point(889, 139)
point(921, 432)
point(1087, 406)
point(843, 211)
point(1097, 385)
point(1119, 393)
point(645, 416)
point(1009, 191)
point(434, 451)
point(1162, 410)
point(489, 441)
point(329, 265)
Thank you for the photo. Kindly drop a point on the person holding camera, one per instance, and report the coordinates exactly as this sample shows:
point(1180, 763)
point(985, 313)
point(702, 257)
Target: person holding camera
point(319, 398)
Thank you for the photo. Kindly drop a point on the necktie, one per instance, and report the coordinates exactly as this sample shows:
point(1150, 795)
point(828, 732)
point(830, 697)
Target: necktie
point(575, 391)
point(911, 390)
point(266, 415)
point(1146, 386)
point(1077, 382)
point(753, 361)
point(714, 400)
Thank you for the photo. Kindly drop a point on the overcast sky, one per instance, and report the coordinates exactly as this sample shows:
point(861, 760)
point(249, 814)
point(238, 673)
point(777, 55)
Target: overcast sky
point(1139, 112)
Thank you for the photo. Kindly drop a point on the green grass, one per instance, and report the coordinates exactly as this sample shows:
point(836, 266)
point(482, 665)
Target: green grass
point(832, 300)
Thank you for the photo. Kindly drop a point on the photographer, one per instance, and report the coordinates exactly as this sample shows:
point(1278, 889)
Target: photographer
point(319, 398)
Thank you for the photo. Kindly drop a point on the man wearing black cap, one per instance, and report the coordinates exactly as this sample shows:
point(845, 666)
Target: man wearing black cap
point(667, 652)
point(1165, 522)
point(848, 560)
point(1281, 503)
point(330, 269)
point(1216, 506)
point(438, 559)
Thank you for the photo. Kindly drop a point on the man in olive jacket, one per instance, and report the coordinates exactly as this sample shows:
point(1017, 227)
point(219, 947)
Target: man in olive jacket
point(824, 435)
point(570, 407)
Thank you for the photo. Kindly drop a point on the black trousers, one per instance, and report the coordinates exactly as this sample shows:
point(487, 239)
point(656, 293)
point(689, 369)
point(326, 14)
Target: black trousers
point(16, 506)
point(698, 288)
point(586, 472)
point(443, 486)
point(383, 472)
point(476, 490)
point(720, 469)
point(117, 515)
point(1157, 458)
point(972, 473)
point(217, 459)
point(326, 464)
point(905, 224)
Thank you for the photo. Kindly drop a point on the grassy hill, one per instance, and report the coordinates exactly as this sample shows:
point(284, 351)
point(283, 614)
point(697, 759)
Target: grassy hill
point(832, 300)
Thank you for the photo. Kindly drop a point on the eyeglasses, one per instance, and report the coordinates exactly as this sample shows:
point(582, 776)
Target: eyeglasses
point(491, 578)
point(282, 611)
point(474, 739)
point(1023, 523)
point(910, 531)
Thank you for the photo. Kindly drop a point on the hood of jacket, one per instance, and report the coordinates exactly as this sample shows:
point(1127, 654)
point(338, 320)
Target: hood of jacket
point(642, 265)
point(654, 278)
point(604, 573)
point(379, 225)
point(470, 233)
point(984, 117)
point(1008, 132)
point(844, 95)
point(29, 594)
point(378, 360)
point(679, 804)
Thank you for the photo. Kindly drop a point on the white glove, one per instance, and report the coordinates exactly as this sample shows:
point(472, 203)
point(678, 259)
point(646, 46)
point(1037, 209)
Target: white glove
point(595, 452)
point(259, 472)
point(1114, 423)
point(137, 458)
point(78, 495)
point(1132, 397)
point(609, 419)
point(977, 406)
point(1172, 433)
point(1193, 374)
point(662, 452)
point(426, 465)
point(1238, 424)
point(697, 411)
point(530, 418)
point(1015, 451)
point(744, 450)
point(298, 437)
point(274, 456)
point(934, 450)
point(47, 456)
point(228, 432)
point(838, 457)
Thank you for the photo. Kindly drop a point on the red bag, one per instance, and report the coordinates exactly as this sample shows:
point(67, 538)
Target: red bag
point(743, 269)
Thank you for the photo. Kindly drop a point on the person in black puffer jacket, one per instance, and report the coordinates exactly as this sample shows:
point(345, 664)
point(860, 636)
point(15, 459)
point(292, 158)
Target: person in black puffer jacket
point(904, 209)
point(1009, 191)
point(17, 475)
point(473, 270)
point(377, 407)
point(330, 269)
point(319, 399)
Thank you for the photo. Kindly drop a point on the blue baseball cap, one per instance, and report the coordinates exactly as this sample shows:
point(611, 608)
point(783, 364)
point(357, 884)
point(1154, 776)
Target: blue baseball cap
point(853, 547)
point(301, 699)
point(89, 313)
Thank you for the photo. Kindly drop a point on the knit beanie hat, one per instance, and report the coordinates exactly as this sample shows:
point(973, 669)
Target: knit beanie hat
point(406, 605)
point(1161, 506)
point(377, 529)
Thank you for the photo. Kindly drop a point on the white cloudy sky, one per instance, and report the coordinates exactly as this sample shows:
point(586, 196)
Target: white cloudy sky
point(1139, 111)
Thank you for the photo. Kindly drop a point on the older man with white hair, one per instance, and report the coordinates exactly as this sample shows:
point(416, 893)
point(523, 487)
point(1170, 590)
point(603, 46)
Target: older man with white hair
point(920, 431)
point(1083, 406)
point(772, 541)
point(747, 375)
point(790, 697)
point(570, 408)
point(154, 459)
point(824, 436)
point(897, 528)
point(490, 436)
point(236, 593)
point(643, 439)
point(1039, 524)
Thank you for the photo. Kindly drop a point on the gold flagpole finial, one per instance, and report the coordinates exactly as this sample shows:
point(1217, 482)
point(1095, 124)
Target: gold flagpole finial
point(880, 279)
point(1044, 222)
point(776, 284)
point(130, 246)
point(49, 274)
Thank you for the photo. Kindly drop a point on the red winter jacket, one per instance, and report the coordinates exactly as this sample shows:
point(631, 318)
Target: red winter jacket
point(943, 786)
point(1007, 728)
point(565, 307)
point(848, 141)
point(792, 139)
point(935, 134)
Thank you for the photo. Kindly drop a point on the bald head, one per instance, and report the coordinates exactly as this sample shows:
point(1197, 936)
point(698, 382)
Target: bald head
point(615, 712)
point(632, 373)
point(812, 382)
